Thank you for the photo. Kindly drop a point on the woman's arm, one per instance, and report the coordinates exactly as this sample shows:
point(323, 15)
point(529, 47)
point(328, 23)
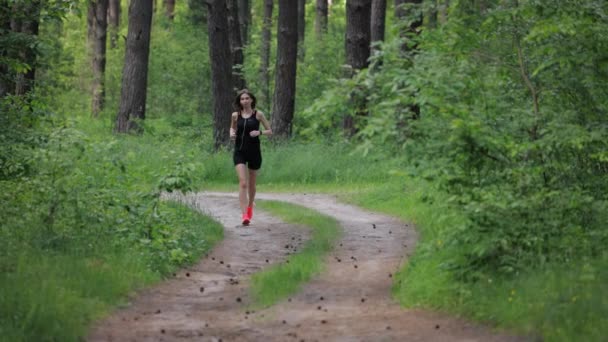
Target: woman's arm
point(262, 119)
point(235, 115)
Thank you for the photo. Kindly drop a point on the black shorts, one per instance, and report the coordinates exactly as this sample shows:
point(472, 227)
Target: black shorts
point(253, 158)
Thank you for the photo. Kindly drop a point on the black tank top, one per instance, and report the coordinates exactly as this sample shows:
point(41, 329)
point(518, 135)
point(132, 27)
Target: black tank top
point(244, 126)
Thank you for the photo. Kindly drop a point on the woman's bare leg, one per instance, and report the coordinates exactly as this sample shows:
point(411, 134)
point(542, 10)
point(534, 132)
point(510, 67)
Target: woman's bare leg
point(252, 179)
point(241, 172)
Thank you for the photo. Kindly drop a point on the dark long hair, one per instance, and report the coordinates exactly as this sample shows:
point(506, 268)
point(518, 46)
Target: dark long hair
point(237, 100)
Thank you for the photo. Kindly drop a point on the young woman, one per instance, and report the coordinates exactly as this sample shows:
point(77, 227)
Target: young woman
point(245, 130)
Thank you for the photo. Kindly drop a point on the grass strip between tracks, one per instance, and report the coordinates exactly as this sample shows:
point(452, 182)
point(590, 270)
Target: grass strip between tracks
point(282, 280)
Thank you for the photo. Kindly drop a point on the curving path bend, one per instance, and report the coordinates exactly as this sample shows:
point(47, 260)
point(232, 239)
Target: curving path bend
point(349, 301)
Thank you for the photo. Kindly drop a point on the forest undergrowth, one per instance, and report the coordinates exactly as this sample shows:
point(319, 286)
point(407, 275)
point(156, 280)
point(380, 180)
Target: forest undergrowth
point(488, 132)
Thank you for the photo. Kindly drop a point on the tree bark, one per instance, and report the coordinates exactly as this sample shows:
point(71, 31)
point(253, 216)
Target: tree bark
point(236, 45)
point(221, 70)
point(321, 18)
point(170, 9)
point(285, 81)
point(358, 39)
point(265, 55)
point(244, 7)
point(358, 16)
point(301, 20)
point(114, 21)
point(135, 70)
point(99, 55)
point(378, 20)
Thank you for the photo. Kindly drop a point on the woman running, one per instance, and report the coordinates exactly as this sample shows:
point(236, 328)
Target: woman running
point(245, 130)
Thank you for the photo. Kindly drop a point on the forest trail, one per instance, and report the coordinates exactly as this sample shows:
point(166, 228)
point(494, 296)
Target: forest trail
point(349, 301)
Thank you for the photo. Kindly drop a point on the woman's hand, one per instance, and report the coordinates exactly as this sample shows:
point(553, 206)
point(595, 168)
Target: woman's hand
point(254, 134)
point(232, 134)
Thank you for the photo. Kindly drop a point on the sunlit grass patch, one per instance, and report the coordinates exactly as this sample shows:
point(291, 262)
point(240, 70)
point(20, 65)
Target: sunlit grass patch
point(280, 281)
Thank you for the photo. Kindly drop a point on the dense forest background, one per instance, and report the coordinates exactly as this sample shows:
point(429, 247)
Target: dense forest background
point(489, 116)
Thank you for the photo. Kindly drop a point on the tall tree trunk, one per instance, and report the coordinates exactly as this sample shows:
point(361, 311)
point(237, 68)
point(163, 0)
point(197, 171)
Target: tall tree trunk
point(285, 81)
point(301, 20)
point(135, 70)
point(99, 55)
point(244, 19)
point(378, 20)
point(358, 39)
point(236, 45)
point(321, 18)
point(221, 70)
point(358, 17)
point(170, 9)
point(265, 62)
point(114, 21)
point(27, 23)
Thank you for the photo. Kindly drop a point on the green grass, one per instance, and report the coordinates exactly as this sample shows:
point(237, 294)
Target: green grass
point(54, 296)
point(280, 281)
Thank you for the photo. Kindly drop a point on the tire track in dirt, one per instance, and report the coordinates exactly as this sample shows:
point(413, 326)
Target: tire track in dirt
point(349, 301)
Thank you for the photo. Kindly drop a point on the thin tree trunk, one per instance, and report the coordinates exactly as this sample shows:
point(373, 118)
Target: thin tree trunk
point(170, 9)
point(265, 62)
point(114, 21)
point(377, 29)
point(358, 38)
point(221, 73)
point(135, 70)
point(99, 55)
point(236, 45)
point(244, 19)
point(321, 18)
point(378, 20)
point(285, 81)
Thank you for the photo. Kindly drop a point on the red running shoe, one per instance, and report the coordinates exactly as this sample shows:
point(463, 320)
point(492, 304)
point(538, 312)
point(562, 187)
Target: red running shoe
point(246, 220)
point(250, 212)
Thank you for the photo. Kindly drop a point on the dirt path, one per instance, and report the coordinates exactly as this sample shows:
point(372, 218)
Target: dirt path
point(349, 301)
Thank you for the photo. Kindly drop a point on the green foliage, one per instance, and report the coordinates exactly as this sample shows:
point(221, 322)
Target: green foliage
point(178, 83)
point(560, 302)
point(512, 125)
point(511, 140)
point(83, 210)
